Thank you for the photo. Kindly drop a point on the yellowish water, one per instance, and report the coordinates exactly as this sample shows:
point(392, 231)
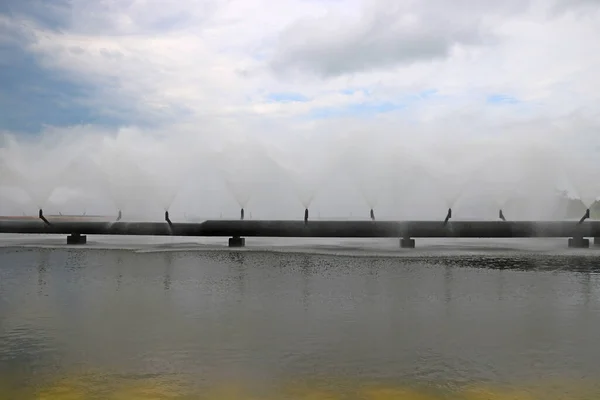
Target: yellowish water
point(261, 326)
point(98, 387)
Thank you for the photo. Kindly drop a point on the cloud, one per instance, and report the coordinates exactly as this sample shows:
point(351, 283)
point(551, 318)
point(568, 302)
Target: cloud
point(564, 6)
point(383, 34)
point(261, 67)
point(49, 14)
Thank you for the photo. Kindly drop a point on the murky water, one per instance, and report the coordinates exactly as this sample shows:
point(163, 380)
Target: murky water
point(121, 324)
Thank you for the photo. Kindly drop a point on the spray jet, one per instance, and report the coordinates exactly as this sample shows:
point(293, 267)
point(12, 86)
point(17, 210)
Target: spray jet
point(167, 218)
point(448, 216)
point(242, 214)
point(372, 213)
point(305, 216)
point(41, 215)
point(585, 216)
point(501, 215)
point(119, 216)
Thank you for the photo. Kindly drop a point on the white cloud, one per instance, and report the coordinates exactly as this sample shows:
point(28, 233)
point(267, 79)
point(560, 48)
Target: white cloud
point(210, 59)
point(384, 34)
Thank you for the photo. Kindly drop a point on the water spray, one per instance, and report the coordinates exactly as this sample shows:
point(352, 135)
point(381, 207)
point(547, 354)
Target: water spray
point(119, 216)
point(242, 213)
point(448, 216)
point(305, 216)
point(585, 216)
point(372, 213)
point(167, 218)
point(501, 215)
point(41, 215)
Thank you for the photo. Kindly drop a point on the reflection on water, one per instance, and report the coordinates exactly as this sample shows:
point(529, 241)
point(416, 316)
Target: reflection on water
point(44, 256)
point(112, 324)
point(168, 256)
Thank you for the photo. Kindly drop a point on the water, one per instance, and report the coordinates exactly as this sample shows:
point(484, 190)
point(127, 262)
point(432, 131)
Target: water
point(402, 175)
point(312, 320)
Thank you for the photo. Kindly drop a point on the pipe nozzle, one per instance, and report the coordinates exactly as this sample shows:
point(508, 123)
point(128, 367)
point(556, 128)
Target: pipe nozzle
point(448, 216)
point(41, 216)
point(501, 215)
point(585, 216)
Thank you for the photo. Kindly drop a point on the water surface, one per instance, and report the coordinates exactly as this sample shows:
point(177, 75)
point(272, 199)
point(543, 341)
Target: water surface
point(148, 323)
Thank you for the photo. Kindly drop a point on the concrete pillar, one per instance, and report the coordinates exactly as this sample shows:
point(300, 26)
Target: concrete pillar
point(237, 241)
point(76, 238)
point(579, 242)
point(407, 243)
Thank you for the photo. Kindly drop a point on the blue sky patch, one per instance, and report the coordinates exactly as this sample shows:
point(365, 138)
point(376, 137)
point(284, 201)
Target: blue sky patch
point(501, 99)
point(286, 97)
point(351, 91)
point(428, 93)
point(354, 110)
point(371, 108)
point(53, 14)
point(33, 97)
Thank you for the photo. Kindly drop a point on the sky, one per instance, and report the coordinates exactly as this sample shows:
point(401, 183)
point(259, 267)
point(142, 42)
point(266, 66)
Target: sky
point(155, 63)
point(203, 68)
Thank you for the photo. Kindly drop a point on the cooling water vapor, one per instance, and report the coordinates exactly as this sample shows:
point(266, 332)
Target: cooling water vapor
point(337, 174)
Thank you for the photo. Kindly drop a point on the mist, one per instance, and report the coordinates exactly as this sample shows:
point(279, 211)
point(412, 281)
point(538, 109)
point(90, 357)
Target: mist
point(337, 171)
